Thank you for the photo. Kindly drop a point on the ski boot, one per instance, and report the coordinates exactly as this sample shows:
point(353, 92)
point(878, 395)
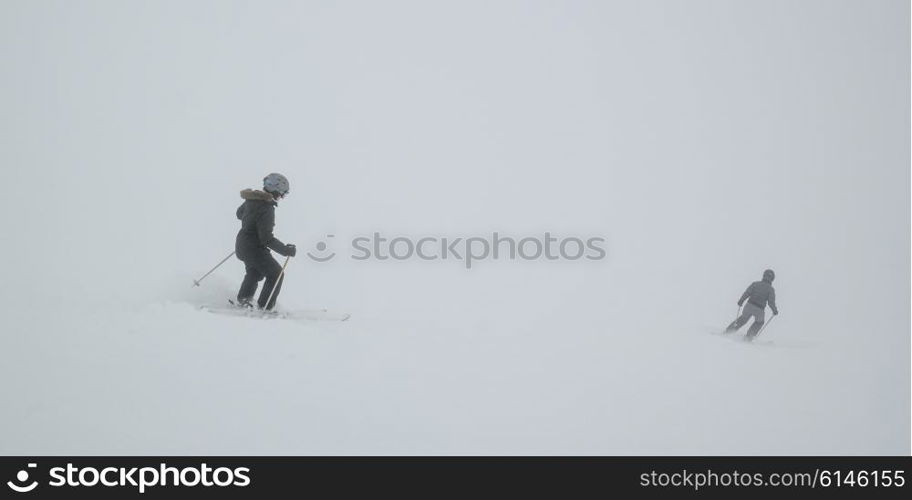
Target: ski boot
point(244, 303)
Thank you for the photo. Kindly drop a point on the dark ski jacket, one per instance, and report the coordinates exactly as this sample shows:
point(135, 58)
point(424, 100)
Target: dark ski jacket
point(257, 216)
point(759, 293)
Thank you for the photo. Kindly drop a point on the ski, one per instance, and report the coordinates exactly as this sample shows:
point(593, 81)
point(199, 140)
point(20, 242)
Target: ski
point(736, 337)
point(234, 309)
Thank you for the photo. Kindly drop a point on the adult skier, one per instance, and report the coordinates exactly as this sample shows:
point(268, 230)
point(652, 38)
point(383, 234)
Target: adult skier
point(757, 295)
point(255, 239)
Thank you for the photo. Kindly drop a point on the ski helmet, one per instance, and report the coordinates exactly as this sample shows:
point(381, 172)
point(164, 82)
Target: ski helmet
point(276, 183)
point(769, 275)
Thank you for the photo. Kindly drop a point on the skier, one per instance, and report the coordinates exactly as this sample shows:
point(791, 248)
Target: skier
point(757, 295)
point(255, 239)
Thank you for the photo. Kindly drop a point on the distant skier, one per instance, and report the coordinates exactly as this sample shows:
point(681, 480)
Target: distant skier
point(255, 239)
point(757, 295)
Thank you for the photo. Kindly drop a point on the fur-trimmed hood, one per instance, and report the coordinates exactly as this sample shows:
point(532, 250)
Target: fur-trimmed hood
point(256, 194)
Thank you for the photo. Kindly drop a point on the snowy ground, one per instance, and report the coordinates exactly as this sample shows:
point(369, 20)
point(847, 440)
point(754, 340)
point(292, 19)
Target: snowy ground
point(167, 378)
point(705, 141)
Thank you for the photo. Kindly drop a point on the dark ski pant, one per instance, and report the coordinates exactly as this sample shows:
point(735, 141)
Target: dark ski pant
point(750, 311)
point(260, 265)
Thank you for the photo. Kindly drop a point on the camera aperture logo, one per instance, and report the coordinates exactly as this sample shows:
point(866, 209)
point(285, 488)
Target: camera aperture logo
point(469, 250)
point(141, 478)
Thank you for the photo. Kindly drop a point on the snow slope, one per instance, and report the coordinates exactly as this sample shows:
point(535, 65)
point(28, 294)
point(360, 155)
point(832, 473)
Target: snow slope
point(705, 142)
point(169, 379)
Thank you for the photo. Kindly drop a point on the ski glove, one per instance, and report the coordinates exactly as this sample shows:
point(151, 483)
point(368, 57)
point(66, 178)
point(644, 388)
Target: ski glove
point(290, 250)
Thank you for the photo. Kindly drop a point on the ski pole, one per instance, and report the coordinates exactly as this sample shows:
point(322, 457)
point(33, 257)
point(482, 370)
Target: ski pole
point(278, 280)
point(765, 325)
point(197, 282)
